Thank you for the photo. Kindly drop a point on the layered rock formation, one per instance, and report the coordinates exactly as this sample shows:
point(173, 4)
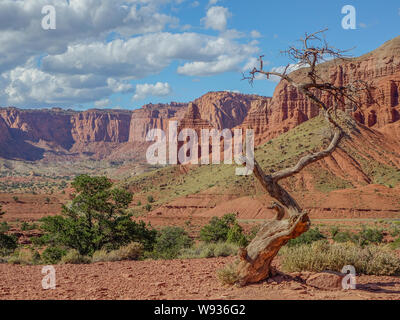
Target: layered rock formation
point(380, 68)
point(34, 134)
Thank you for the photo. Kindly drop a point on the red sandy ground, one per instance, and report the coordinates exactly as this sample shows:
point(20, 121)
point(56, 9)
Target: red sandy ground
point(173, 279)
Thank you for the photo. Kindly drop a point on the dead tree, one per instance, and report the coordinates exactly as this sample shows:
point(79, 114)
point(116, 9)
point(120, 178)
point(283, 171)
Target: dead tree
point(255, 260)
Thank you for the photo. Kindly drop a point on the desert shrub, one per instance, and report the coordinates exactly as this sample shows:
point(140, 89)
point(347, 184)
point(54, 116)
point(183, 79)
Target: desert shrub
point(25, 257)
point(132, 251)
point(100, 256)
point(334, 231)
point(218, 228)
point(370, 235)
point(321, 256)
point(148, 207)
point(344, 237)
point(4, 227)
point(74, 257)
point(228, 275)
point(253, 232)
point(209, 250)
point(308, 237)
point(236, 235)
point(395, 244)
point(53, 255)
point(96, 218)
point(150, 199)
point(25, 226)
point(8, 243)
point(169, 242)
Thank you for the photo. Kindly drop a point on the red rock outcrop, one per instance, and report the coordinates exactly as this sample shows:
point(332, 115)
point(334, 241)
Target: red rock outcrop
point(153, 116)
point(97, 126)
point(225, 109)
point(381, 68)
point(28, 134)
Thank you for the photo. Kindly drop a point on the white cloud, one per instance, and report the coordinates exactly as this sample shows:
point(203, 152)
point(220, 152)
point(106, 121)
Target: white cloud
point(149, 54)
point(102, 103)
point(195, 4)
point(145, 90)
point(255, 34)
point(292, 67)
point(32, 88)
point(78, 21)
point(212, 2)
point(200, 68)
point(78, 63)
point(216, 18)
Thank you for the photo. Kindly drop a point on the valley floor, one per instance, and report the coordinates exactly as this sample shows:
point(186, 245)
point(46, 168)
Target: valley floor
point(173, 279)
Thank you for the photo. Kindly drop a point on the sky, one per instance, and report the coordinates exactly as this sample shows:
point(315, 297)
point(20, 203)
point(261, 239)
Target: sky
point(122, 54)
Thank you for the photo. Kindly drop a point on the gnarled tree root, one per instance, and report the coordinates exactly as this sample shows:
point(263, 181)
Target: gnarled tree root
point(256, 259)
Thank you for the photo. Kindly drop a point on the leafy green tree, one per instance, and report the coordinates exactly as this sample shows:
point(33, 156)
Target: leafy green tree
point(8, 243)
point(1, 211)
point(95, 219)
point(218, 228)
point(169, 242)
point(235, 235)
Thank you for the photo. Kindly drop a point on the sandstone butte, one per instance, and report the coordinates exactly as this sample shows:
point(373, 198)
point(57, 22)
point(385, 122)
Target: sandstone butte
point(56, 133)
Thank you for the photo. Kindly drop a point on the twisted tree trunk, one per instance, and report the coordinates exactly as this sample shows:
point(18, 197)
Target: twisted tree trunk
point(255, 264)
point(256, 259)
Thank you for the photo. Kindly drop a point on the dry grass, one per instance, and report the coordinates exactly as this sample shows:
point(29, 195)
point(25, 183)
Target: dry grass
point(73, 257)
point(132, 251)
point(209, 250)
point(228, 275)
point(321, 256)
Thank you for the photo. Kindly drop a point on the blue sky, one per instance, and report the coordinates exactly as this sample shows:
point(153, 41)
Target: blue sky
point(123, 54)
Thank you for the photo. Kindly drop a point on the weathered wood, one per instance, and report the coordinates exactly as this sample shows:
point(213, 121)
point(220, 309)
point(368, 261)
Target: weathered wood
point(256, 259)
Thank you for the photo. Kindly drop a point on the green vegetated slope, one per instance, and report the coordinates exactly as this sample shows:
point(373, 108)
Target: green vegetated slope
point(171, 182)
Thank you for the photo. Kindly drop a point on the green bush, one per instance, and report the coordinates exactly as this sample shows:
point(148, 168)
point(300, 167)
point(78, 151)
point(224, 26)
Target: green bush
point(150, 199)
point(7, 244)
point(218, 228)
point(209, 250)
point(344, 237)
point(4, 227)
point(53, 255)
point(236, 235)
point(308, 237)
point(25, 226)
point(370, 235)
point(95, 219)
point(148, 207)
point(253, 232)
point(169, 242)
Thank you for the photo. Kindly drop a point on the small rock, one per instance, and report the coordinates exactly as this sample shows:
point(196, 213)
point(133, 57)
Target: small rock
point(327, 280)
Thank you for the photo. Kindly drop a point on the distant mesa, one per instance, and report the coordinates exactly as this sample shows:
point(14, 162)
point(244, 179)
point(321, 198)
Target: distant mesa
point(106, 134)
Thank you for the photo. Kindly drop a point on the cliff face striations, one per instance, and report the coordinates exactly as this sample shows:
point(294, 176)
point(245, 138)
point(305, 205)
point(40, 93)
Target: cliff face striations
point(34, 134)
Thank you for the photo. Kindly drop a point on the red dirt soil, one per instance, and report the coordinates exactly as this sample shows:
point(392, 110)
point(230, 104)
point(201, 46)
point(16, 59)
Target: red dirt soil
point(173, 279)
